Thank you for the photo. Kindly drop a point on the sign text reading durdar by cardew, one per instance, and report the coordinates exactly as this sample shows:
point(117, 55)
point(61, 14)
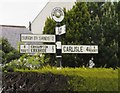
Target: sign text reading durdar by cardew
point(37, 38)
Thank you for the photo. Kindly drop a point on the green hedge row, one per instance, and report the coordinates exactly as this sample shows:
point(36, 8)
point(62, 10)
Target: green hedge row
point(93, 84)
point(84, 79)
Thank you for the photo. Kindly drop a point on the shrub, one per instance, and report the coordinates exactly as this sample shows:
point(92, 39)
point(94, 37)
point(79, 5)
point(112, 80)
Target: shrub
point(27, 62)
point(7, 52)
point(74, 79)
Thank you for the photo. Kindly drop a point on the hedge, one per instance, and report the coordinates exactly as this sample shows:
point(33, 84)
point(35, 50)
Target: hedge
point(78, 79)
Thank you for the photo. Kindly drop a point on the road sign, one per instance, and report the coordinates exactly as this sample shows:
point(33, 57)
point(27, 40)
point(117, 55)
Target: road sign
point(58, 44)
point(61, 30)
point(37, 49)
point(79, 49)
point(24, 48)
point(57, 14)
point(37, 38)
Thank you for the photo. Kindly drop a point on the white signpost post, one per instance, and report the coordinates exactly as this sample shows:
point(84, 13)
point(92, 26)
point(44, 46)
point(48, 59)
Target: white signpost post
point(58, 15)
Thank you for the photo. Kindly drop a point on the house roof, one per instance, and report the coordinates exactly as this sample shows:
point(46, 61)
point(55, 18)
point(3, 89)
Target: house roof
point(12, 26)
point(38, 23)
point(40, 11)
point(58, 1)
point(12, 33)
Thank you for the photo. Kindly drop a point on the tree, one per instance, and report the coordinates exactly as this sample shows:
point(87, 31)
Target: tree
point(90, 23)
point(7, 52)
point(106, 29)
point(75, 19)
point(118, 35)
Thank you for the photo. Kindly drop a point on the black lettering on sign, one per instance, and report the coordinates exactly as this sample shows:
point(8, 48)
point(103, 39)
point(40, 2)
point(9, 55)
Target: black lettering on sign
point(52, 48)
point(69, 49)
point(81, 49)
point(23, 50)
point(64, 49)
point(35, 38)
point(73, 49)
point(52, 38)
point(38, 50)
point(87, 49)
point(27, 37)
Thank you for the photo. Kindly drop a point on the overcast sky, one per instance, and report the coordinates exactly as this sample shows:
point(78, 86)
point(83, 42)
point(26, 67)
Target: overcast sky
point(20, 12)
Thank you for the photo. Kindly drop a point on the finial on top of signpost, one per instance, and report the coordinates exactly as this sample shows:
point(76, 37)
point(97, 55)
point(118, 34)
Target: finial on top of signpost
point(57, 14)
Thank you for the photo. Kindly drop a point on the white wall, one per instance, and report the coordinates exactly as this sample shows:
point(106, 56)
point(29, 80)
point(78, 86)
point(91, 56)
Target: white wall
point(12, 33)
point(38, 23)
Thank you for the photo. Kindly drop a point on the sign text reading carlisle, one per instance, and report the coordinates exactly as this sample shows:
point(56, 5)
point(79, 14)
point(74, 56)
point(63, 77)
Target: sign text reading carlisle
point(79, 49)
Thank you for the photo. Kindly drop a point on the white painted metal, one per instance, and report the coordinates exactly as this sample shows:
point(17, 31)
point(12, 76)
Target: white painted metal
point(58, 56)
point(37, 38)
point(60, 30)
point(58, 44)
point(57, 14)
point(37, 49)
point(24, 48)
point(80, 49)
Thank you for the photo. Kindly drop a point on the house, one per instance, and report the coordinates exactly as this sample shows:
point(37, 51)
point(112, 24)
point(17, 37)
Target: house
point(12, 33)
point(37, 25)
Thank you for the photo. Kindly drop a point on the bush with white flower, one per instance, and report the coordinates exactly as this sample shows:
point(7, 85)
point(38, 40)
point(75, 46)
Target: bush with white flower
point(26, 62)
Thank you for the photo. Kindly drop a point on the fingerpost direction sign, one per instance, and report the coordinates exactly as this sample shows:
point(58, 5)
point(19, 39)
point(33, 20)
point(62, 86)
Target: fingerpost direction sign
point(80, 49)
point(58, 15)
point(37, 49)
point(37, 38)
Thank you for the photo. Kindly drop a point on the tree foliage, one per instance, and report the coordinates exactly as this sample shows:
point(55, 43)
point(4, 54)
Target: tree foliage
point(7, 52)
point(91, 24)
